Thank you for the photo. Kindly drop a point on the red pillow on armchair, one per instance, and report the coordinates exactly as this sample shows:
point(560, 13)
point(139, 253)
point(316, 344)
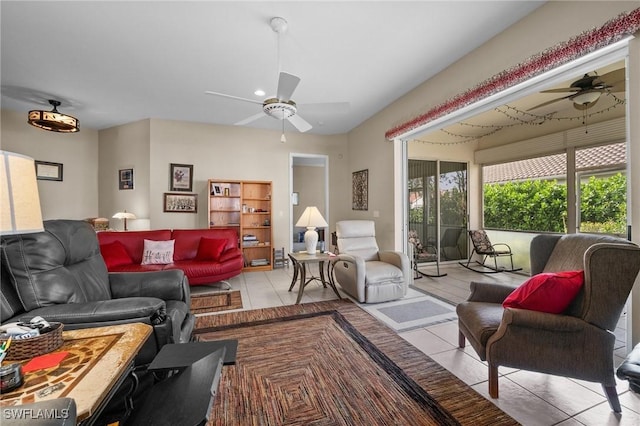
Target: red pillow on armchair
point(550, 292)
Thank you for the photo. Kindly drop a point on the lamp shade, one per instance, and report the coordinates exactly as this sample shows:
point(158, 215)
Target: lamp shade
point(124, 215)
point(19, 200)
point(311, 218)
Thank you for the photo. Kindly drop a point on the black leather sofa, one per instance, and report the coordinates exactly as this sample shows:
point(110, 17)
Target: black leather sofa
point(60, 275)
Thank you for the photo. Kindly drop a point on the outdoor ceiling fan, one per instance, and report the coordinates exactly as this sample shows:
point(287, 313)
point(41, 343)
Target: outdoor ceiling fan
point(281, 107)
point(586, 91)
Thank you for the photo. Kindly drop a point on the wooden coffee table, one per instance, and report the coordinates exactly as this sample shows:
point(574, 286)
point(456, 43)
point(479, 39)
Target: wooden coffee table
point(98, 361)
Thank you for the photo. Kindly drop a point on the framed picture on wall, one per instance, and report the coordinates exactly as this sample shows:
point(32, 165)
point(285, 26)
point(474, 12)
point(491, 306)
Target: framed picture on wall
point(46, 170)
point(180, 203)
point(361, 190)
point(125, 179)
point(181, 177)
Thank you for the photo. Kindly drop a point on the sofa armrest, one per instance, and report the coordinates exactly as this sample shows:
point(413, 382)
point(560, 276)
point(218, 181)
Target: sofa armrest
point(141, 309)
point(542, 320)
point(489, 292)
point(230, 255)
point(169, 284)
point(397, 259)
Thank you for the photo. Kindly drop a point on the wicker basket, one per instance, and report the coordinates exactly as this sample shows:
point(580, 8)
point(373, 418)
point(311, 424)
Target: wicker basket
point(35, 346)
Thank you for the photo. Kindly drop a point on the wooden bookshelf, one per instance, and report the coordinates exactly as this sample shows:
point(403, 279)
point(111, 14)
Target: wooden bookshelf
point(246, 207)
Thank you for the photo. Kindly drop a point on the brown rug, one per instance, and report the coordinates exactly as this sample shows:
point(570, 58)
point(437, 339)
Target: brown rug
point(215, 302)
point(331, 363)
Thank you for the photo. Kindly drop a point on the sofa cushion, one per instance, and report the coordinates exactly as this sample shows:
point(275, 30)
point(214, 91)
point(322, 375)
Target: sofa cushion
point(134, 240)
point(211, 249)
point(115, 254)
point(188, 241)
point(550, 292)
point(157, 252)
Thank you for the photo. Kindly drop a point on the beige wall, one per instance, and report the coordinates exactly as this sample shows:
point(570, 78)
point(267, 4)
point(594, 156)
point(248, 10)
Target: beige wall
point(76, 197)
point(230, 152)
point(124, 147)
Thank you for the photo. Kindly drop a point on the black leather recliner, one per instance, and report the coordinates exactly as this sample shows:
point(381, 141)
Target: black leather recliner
point(60, 275)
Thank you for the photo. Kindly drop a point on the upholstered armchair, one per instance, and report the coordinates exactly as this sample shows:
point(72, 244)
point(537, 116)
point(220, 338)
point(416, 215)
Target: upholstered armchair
point(362, 270)
point(579, 341)
point(60, 275)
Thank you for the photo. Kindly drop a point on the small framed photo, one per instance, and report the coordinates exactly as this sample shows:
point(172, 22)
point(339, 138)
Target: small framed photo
point(180, 203)
point(46, 170)
point(125, 179)
point(181, 177)
point(216, 189)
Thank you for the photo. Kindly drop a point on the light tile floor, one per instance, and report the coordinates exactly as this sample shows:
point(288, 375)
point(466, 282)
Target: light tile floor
point(530, 398)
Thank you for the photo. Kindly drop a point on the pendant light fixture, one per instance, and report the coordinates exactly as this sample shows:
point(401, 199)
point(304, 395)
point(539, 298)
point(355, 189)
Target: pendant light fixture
point(53, 120)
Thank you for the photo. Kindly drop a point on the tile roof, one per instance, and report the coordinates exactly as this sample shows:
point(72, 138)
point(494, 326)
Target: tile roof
point(555, 165)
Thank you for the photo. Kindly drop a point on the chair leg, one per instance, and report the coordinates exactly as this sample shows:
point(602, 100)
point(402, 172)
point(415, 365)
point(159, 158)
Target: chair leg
point(461, 340)
point(493, 381)
point(612, 397)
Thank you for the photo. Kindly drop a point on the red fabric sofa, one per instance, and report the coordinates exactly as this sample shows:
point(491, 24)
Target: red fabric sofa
point(228, 264)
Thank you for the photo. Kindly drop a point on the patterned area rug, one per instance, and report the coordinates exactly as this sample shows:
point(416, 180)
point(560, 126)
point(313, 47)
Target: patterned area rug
point(215, 302)
point(331, 363)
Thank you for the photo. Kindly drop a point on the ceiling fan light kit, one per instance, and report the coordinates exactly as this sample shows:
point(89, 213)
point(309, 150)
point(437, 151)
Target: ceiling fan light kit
point(54, 121)
point(280, 107)
point(585, 98)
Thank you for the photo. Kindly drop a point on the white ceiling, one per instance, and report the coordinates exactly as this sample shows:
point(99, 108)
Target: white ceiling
point(117, 62)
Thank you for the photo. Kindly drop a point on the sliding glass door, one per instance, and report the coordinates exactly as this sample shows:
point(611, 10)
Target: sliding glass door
point(438, 206)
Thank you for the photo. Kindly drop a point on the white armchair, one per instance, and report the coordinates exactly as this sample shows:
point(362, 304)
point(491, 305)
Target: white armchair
point(362, 270)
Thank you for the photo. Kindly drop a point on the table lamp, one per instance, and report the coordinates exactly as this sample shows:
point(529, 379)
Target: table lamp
point(124, 216)
point(19, 201)
point(311, 219)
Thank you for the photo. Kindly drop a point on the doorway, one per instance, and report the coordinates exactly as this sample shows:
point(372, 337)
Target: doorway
point(438, 206)
point(309, 186)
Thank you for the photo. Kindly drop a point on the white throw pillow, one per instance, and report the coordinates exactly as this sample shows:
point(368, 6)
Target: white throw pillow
point(157, 252)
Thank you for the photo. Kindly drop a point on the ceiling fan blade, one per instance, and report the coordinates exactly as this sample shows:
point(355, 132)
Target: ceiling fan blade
point(613, 77)
point(299, 123)
point(250, 119)
point(326, 107)
point(287, 84)
point(208, 92)
point(550, 102)
point(562, 90)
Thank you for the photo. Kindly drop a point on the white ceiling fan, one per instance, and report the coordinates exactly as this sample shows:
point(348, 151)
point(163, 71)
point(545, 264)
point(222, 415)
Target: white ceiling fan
point(281, 107)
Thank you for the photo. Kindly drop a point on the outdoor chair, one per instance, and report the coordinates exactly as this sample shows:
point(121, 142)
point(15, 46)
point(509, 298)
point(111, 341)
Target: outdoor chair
point(420, 253)
point(482, 246)
point(449, 240)
point(536, 333)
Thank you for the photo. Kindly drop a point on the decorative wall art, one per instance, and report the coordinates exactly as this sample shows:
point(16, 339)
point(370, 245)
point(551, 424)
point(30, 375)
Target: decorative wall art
point(46, 170)
point(181, 177)
point(180, 203)
point(125, 179)
point(361, 190)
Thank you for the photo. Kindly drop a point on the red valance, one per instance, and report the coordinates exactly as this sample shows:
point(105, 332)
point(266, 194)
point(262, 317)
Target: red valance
point(612, 31)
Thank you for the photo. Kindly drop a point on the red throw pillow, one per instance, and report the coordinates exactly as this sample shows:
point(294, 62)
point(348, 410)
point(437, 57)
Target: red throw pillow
point(115, 254)
point(210, 248)
point(550, 292)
